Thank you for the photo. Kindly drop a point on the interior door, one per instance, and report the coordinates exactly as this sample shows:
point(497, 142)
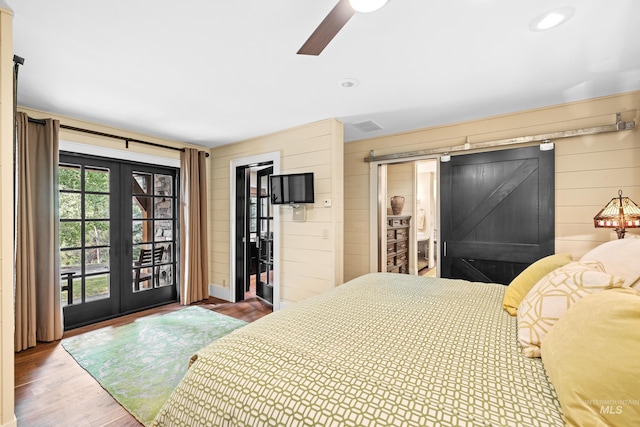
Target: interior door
point(264, 237)
point(497, 213)
point(243, 183)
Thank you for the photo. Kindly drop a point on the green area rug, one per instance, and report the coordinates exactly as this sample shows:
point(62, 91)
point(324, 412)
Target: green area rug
point(141, 363)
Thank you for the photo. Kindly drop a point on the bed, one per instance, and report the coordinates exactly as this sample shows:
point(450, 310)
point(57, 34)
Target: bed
point(381, 350)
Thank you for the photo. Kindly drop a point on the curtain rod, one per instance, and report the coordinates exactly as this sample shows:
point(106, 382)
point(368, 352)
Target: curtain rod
point(546, 137)
point(109, 135)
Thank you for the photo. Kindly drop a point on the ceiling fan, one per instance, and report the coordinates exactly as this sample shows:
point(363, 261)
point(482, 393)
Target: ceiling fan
point(334, 21)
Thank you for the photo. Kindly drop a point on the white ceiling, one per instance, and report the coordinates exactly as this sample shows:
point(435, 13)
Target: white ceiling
point(216, 72)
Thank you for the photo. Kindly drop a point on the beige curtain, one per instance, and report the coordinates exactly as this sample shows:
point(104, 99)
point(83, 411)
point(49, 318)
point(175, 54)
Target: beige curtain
point(38, 310)
point(194, 280)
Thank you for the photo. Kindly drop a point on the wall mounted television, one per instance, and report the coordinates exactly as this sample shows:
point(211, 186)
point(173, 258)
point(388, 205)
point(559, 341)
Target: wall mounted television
point(291, 189)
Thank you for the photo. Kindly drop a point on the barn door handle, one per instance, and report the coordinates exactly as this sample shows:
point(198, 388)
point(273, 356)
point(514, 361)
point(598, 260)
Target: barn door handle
point(445, 249)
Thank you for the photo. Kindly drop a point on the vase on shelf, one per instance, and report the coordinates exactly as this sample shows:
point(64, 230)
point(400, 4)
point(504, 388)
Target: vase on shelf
point(397, 203)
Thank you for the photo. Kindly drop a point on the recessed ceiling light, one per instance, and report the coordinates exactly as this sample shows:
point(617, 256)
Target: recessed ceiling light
point(551, 19)
point(365, 6)
point(348, 83)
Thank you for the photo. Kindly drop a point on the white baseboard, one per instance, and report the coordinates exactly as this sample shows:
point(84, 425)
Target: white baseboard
point(285, 304)
point(13, 423)
point(217, 291)
point(222, 292)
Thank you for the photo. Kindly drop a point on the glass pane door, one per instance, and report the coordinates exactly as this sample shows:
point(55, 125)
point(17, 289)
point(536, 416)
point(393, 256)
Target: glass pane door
point(264, 231)
point(118, 231)
point(153, 223)
point(86, 223)
point(153, 230)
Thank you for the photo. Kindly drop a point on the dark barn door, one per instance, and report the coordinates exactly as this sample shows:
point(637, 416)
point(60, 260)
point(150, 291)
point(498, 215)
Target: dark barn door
point(497, 213)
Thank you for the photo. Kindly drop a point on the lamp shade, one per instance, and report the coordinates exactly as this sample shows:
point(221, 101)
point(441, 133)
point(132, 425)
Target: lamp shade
point(620, 213)
point(365, 6)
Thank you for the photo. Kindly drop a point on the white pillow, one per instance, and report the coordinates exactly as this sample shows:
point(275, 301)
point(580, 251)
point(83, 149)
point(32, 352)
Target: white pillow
point(620, 257)
point(552, 296)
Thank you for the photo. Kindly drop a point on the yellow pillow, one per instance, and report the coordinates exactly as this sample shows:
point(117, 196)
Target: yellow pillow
point(522, 284)
point(591, 358)
point(552, 296)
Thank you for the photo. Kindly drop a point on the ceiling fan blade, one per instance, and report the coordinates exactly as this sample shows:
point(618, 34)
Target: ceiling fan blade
point(328, 28)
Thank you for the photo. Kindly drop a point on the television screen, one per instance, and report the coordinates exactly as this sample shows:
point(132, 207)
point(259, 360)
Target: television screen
point(291, 189)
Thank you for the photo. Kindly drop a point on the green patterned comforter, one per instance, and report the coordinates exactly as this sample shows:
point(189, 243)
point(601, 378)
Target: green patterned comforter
point(381, 350)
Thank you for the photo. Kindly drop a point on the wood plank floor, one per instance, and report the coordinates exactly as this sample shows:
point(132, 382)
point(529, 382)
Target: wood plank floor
point(51, 389)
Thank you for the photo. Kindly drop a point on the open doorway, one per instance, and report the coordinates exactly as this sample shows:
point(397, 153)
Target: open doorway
point(426, 217)
point(407, 214)
point(254, 231)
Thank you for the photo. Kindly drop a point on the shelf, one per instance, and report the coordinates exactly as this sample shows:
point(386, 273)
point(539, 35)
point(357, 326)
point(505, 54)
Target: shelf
point(398, 239)
point(398, 252)
point(396, 267)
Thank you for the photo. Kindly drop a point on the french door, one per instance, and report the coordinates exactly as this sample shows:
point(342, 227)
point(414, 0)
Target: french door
point(264, 235)
point(118, 237)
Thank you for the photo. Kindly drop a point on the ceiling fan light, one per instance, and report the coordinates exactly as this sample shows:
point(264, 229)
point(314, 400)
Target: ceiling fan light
point(365, 6)
point(551, 19)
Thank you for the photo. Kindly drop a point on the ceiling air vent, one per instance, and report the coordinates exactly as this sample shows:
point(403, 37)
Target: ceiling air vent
point(366, 126)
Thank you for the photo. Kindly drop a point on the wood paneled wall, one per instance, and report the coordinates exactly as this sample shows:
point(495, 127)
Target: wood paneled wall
point(7, 417)
point(311, 252)
point(589, 169)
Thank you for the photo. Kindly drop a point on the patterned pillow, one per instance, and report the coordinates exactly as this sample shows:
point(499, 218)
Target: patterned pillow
point(550, 298)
